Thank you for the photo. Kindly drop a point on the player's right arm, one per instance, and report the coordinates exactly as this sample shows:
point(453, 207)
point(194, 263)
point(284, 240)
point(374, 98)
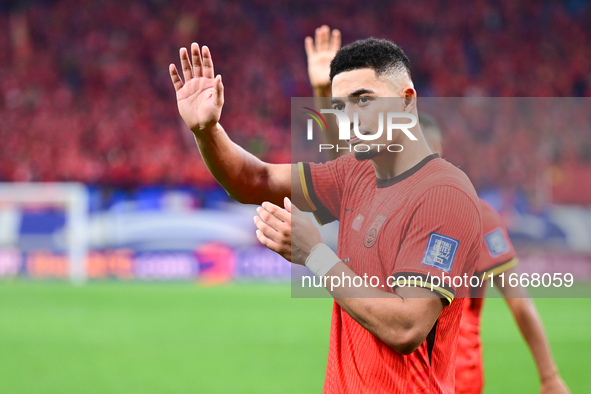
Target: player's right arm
point(200, 99)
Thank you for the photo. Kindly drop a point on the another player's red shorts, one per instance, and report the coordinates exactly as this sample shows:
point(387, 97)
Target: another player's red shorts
point(469, 369)
point(497, 255)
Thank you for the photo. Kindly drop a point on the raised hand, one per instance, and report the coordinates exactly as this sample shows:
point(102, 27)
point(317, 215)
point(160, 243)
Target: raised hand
point(320, 52)
point(200, 97)
point(276, 226)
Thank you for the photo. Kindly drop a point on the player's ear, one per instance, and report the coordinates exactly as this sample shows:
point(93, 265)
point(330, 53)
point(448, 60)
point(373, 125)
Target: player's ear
point(409, 95)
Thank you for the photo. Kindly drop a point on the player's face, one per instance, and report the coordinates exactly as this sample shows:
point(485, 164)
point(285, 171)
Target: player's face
point(362, 92)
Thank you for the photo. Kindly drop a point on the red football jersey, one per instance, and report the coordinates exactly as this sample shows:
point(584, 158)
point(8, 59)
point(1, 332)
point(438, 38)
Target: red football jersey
point(497, 255)
point(418, 225)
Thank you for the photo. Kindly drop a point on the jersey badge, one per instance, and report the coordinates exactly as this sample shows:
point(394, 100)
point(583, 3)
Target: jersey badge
point(357, 222)
point(495, 243)
point(441, 251)
point(374, 230)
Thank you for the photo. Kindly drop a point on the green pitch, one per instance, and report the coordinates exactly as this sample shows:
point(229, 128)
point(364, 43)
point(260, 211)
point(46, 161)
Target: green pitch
point(243, 338)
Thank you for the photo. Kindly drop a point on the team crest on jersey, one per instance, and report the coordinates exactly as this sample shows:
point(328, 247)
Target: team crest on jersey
point(441, 251)
point(495, 243)
point(374, 230)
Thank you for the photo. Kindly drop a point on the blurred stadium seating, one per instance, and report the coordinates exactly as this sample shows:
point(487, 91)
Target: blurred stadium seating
point(85, 94)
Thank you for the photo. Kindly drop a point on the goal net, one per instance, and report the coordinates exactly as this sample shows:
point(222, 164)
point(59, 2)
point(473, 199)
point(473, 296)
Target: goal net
point(38, 217)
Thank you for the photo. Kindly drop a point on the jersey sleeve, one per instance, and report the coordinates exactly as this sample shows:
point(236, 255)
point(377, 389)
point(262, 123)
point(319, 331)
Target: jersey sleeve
point(442, 240)
point(497, 254)
point(323, 186)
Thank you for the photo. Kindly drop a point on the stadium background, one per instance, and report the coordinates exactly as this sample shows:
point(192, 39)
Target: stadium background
point(181, 298)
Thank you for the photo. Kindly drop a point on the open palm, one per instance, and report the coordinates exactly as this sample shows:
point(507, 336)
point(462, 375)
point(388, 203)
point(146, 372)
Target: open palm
point(200, 97)
point(320, 52)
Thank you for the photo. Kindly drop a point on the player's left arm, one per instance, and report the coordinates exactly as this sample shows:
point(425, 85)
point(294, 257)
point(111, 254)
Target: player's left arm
point(530, 325)
point(402, 320)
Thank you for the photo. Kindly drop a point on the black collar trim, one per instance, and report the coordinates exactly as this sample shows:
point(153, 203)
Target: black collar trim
point(381, 183)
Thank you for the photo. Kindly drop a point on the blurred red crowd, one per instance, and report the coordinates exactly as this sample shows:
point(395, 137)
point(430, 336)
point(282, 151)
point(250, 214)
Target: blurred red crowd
point(85, 93)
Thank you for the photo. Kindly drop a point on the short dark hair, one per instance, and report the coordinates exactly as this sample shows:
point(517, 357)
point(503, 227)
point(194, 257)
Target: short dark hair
point(380, 55)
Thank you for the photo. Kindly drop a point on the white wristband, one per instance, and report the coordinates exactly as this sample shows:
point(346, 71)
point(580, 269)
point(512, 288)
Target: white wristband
point(321, 259)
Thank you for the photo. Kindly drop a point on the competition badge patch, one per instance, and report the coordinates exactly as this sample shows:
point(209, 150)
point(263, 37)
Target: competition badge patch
point(374, 230)
point(441, 251)
point(495, 243)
